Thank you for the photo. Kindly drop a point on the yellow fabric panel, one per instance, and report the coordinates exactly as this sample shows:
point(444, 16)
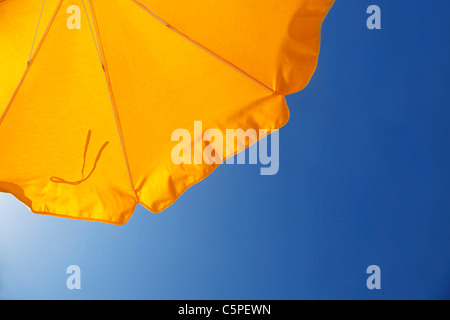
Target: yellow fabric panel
point(162, 82)
point(18, 24)
point(43, 134)
point(275, 41)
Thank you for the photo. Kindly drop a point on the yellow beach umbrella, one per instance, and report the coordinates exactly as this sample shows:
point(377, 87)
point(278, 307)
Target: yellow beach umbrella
point(91, 92)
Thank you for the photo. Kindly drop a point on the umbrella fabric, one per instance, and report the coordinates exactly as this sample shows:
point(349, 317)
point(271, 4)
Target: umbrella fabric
point(87, 115)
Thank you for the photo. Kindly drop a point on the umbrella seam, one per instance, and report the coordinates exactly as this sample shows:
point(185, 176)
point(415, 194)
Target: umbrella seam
point(204, 48)
point(37, 29)
point(111, 95)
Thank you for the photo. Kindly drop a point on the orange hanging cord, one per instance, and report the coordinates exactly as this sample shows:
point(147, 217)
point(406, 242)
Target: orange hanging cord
point(75, 183)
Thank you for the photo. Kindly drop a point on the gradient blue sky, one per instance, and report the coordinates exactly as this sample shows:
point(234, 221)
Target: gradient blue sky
point(364, 179)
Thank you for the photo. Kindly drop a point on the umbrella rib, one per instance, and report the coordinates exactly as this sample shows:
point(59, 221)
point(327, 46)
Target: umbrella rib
point(30, 62)
point(92, 32)
point(204, 48)
point(37, 29)
point(111, 95)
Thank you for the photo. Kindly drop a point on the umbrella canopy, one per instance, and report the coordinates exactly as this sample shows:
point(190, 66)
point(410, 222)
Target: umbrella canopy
point(88, 113)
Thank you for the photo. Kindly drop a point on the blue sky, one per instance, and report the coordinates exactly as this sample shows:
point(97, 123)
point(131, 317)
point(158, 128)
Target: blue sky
point(364, 179)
